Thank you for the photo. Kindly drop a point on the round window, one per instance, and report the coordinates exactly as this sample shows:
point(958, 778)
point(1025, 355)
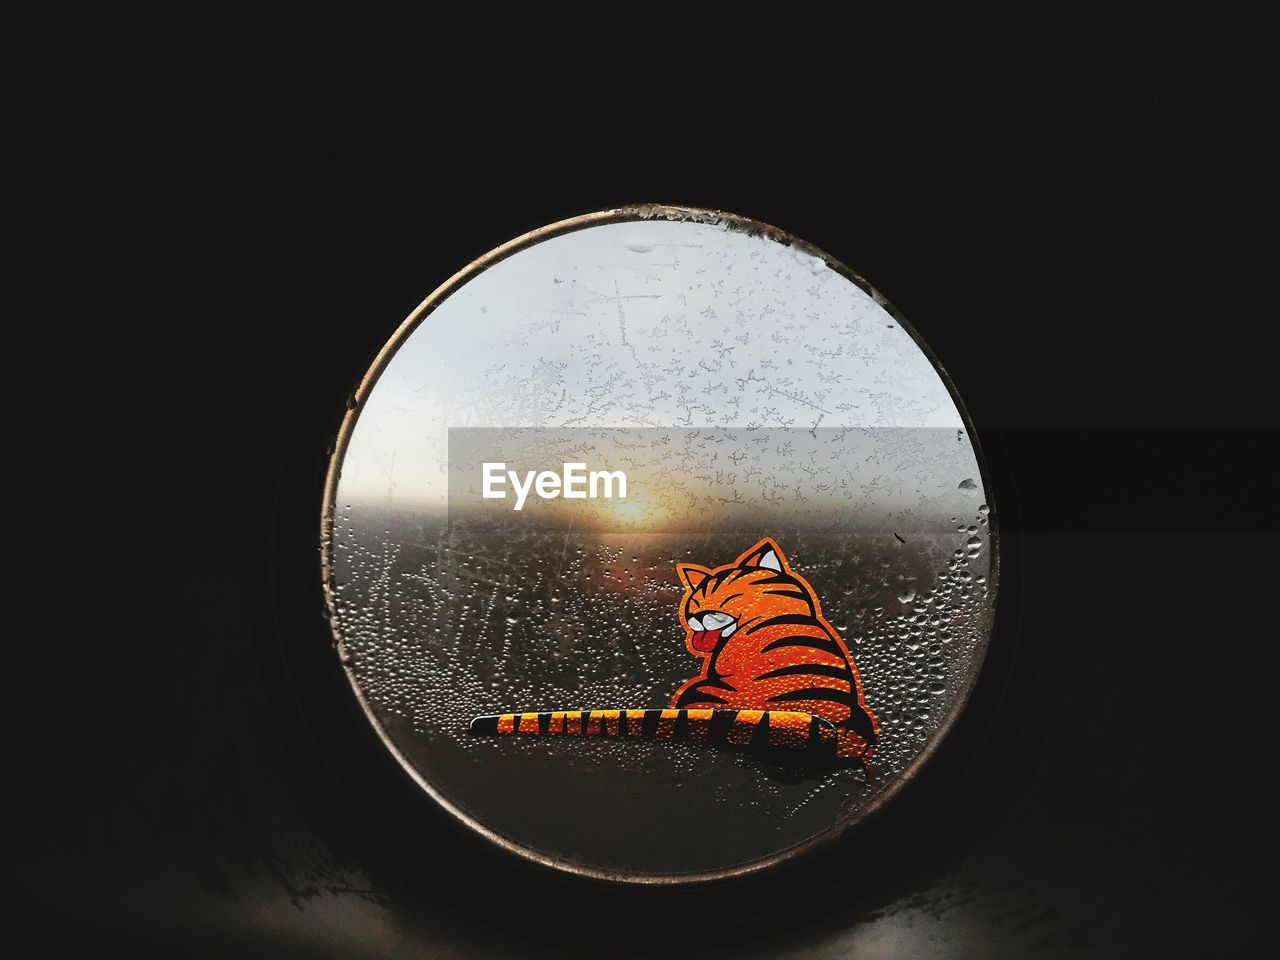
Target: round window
point(657, 548)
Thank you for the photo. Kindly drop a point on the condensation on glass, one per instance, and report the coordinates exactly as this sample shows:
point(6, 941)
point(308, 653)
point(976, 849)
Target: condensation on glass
point(750, 386)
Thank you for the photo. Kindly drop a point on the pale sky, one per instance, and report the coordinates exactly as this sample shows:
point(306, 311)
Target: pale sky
point(650, 323)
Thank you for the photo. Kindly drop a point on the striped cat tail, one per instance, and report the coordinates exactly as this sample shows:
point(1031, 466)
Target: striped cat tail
point(789, 735)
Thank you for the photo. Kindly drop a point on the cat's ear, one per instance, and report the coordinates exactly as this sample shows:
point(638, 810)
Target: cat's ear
point(693, 575)
point(766, 554)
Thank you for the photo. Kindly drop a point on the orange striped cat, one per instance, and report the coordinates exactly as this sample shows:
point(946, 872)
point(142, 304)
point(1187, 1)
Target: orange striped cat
point(775, 677)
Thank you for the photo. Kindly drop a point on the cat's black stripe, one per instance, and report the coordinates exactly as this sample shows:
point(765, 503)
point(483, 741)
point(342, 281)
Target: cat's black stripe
point(719, 682)
point(788, 618)
point(721, 723)
point(544, 723)
point(809, 669)
point(829, 694)
point(649, 725)
point(697, 695)
point(680, 729)
point(824, 643)
point(860, 724)
point(777, 578)
point(760, 738)
point(824, 747)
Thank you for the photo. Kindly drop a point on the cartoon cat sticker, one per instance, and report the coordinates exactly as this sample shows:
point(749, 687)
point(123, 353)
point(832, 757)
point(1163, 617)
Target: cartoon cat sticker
point(775, 676)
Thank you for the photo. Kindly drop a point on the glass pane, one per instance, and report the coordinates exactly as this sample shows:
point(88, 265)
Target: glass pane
point(650, 459)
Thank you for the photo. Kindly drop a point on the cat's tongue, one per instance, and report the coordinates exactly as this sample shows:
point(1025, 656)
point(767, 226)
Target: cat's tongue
point(704, 641)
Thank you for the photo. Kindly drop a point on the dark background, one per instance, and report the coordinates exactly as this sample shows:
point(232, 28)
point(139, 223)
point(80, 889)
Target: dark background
point(208, 245)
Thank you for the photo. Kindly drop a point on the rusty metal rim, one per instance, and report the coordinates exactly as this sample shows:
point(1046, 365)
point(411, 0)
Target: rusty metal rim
point(355, 405)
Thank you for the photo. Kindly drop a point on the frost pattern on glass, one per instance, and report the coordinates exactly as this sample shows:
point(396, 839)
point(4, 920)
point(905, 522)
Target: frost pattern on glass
point(652, 324)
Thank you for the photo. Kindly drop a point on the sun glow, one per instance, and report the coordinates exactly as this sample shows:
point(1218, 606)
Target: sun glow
point(633, 513)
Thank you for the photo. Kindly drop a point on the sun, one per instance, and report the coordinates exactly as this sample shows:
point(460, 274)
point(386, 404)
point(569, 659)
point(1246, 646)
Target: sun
point(630, 512)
